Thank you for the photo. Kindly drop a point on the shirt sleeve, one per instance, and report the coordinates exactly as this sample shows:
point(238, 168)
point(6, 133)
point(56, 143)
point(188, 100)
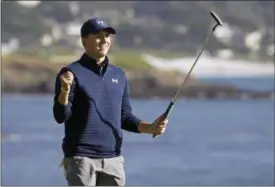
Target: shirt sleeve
point(62, 112)
point(129, 122)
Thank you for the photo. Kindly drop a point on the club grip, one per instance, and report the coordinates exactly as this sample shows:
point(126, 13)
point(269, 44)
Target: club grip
point(167, 112)
point(169, 109)
point(216, 18)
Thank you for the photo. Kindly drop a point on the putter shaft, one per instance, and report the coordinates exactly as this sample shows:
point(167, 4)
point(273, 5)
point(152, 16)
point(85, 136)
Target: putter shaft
point(169, 108)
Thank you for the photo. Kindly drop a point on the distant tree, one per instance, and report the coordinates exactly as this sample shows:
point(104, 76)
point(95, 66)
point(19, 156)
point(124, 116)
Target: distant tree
point(20, 22)
point(151, 24)
point(57, 10)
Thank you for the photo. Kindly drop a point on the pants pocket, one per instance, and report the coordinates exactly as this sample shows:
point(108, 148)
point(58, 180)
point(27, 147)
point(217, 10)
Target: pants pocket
point(77, 171)
point(115, 169)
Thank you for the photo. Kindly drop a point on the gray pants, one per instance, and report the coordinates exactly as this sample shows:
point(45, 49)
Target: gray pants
point(83, 171)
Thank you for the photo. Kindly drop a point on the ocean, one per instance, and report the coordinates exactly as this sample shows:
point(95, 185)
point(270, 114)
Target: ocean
point(207, 142)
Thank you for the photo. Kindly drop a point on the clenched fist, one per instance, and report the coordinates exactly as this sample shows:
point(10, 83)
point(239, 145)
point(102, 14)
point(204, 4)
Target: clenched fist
point(66, 79)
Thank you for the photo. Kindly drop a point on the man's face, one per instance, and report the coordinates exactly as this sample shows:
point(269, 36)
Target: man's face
point(98, 44)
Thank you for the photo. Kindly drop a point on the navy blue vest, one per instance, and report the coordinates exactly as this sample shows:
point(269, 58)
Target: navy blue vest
point(94, 128)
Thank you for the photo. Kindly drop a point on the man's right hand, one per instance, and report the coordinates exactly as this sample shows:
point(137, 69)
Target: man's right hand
point(66, 79)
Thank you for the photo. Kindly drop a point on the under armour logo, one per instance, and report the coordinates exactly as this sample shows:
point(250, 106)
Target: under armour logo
point(115, 80)
point(100, 22)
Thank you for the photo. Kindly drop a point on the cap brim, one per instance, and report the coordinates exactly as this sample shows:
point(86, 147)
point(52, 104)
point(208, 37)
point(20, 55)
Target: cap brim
point(109, 29)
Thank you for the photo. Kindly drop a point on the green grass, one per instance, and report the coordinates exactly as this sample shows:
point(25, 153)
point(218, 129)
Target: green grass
point(126, 59)
point(260, 58)
point(131, 59)
point(167, 54)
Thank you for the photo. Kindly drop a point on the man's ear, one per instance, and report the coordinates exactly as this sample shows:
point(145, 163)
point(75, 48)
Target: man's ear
point(113, 38)
point(83, 41)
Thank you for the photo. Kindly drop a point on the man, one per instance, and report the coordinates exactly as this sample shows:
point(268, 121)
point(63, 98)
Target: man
point(92, 98)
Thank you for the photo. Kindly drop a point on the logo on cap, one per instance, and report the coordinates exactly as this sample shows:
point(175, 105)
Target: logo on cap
point(100, 22)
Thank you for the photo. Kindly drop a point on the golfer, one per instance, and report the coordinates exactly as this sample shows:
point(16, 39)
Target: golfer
point(92, 98)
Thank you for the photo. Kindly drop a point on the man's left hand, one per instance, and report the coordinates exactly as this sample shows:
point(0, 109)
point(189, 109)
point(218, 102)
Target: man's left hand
point(159, 125)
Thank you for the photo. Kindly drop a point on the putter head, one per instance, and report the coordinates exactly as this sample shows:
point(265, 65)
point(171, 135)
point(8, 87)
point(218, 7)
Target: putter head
point(216, 18)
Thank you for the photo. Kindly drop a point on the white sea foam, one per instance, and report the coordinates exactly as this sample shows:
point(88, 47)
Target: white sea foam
point(213, 67)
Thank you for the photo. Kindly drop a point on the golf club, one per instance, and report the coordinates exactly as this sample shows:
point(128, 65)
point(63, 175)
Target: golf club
point(169, 108)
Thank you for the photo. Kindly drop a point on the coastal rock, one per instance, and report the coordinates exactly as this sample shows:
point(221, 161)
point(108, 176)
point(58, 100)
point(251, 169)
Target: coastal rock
point(30, 76)
point(164, 84)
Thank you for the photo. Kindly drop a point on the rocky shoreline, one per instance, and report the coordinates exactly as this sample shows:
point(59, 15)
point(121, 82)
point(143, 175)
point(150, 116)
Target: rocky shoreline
point(39, 78)
point(154, 83)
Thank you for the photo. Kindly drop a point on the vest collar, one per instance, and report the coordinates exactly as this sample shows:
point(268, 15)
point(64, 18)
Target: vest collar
point(91, 64)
